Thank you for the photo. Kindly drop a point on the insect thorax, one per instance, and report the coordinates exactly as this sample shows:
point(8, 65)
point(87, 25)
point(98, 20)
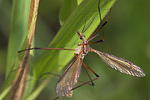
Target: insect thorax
point(82, 48)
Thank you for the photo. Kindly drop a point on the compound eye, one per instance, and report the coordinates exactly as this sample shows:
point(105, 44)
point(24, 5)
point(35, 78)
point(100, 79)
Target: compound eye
point(81, 37)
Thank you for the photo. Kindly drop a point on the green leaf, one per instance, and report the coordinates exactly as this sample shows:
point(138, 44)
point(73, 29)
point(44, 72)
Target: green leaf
point(67, 8)
point(18, 31)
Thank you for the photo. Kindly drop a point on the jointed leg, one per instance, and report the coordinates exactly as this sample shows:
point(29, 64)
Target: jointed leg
point(46, 49)
point(102, 25)
point(88, 73)
point(89, 69)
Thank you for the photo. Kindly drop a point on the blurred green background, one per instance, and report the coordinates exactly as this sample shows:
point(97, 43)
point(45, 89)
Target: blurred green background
point(127, 35)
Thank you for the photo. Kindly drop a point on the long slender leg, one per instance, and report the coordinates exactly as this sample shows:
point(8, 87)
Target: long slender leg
point(47, 73)
point(85, 83)
point(102, 25)
point(89, 75)
point(95, 33)
point(86, 70)
point(46, 49)
point(89, 69)
point(83, 30)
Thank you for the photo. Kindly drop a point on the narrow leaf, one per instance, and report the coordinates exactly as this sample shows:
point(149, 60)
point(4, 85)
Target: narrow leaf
point(19, 84)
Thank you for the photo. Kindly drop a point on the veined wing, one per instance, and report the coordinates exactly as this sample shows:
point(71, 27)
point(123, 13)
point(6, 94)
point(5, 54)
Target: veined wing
point(69, 78)
point(120, 64)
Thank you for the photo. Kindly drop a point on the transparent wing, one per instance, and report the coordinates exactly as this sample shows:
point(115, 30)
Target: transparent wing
point(120, 64)
point(68, 79)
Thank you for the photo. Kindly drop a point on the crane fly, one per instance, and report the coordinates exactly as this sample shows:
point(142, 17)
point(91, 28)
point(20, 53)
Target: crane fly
point(70, 77)
point(68, 80)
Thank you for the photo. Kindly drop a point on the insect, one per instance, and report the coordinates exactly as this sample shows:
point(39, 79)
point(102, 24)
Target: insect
point(69, 78)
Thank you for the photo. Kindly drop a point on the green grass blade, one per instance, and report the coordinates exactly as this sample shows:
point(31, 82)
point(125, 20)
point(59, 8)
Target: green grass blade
point(18, 32)
point(4, 93)
point(67, 8)
point(38, 89)
point(19, 26)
